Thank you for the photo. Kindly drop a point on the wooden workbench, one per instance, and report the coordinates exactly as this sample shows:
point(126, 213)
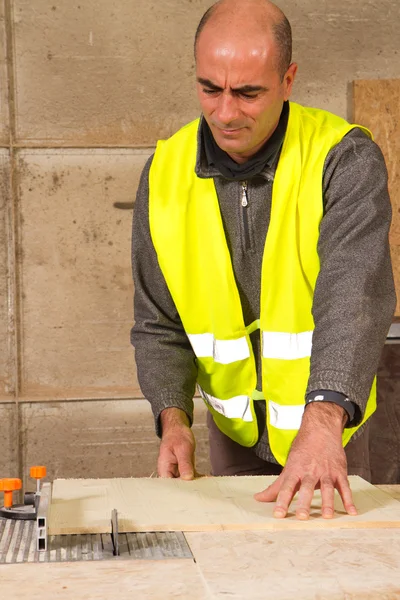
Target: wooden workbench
point(276, 565)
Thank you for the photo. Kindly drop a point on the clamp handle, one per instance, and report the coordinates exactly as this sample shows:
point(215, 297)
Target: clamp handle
point(38, 472)
point(8, 486)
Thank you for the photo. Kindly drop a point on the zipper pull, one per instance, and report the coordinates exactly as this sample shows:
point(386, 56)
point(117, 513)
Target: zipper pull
point(244, 194)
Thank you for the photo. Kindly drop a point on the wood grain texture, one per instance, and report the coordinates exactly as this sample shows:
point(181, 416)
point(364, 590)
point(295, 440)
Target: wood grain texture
point(377, 106)
point(392, 490)
point(207, 504)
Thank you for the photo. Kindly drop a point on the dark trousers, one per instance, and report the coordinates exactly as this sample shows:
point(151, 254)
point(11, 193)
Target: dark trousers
point(229, 458)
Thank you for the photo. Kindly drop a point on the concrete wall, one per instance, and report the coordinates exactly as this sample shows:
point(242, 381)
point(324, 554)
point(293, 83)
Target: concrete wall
point(86, 89)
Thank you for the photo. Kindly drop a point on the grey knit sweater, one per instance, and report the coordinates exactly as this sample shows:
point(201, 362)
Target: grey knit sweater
point(354, 298)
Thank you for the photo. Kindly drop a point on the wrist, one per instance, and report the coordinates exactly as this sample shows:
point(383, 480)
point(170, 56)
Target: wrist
point(324, 395)
point(325, 415)
point(173, 417)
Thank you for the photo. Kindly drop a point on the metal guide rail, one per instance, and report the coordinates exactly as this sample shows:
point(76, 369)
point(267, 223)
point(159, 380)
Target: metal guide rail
point(18, 544)
point(35, 508)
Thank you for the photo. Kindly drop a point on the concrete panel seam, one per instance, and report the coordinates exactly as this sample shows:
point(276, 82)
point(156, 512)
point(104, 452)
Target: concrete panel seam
point(14, 320)
point(43, 148)
point(10, 54)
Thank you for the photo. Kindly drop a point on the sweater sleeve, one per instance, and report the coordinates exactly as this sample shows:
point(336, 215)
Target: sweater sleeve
point(354, 298)
point(164, 357)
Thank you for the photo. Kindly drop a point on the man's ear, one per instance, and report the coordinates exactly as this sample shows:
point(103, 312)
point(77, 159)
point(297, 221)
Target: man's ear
point(288, 80)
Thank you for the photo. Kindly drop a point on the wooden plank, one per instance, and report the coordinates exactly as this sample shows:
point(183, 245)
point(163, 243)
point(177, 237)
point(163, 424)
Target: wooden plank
point(206, 504)
point(125, 580)
point(392, 490)
point(286, 565)
point(377, 106)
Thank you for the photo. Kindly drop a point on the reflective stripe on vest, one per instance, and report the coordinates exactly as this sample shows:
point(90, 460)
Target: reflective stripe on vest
point(275, 344)
point(222, 351)
point(286, 346)
point(286, 418)
point(282, 417)
point(237, 407)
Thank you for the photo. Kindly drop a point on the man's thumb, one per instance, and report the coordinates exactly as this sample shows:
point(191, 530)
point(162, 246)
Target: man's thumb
point(186, 468)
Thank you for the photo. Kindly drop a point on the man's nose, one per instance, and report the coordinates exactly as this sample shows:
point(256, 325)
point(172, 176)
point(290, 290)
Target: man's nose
point(227, 110)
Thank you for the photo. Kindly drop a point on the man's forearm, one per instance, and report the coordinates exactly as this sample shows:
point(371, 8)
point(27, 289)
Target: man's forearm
point(167, 376)
point(165, 360)
point(354, 298)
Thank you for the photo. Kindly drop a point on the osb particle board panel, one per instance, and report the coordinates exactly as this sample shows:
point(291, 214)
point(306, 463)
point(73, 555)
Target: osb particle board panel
point(287, 565)
point(125, 580)
point(377, 106)
point(206, 504)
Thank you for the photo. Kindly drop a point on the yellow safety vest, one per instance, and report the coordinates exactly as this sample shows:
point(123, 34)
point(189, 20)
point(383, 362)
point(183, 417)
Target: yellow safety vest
point(188, 236)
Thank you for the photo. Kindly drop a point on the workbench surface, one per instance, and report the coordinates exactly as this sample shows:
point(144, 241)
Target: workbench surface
point(276, 565)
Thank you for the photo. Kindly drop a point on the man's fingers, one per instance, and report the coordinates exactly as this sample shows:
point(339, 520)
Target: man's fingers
point(305, 496)
point(289, 487)
point(185, 457)
point(344, 490)
point(167, 468)
point(167, 464)
point(176, 467)
point(328, 498)
point(186, 470)
point(270, 493)
point(176, 455)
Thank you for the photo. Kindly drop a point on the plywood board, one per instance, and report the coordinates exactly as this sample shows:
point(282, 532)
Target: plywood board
point(206, 504)
point(392, 490)
point(377, 106)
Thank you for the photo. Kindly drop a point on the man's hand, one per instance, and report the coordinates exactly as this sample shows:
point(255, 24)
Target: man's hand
point(176, 455)
point(316, 460)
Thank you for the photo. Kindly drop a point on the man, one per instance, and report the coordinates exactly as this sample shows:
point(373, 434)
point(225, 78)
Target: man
point(262, 271)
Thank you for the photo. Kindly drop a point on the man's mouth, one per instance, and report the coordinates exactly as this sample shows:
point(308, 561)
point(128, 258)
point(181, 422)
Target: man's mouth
point(230, 131)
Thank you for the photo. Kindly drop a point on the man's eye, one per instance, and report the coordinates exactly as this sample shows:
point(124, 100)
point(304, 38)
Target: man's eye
point(210, 92)
point(249, 96)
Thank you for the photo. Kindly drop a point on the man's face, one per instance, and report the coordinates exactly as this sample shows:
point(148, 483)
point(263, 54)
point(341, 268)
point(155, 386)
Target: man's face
point(241, 91)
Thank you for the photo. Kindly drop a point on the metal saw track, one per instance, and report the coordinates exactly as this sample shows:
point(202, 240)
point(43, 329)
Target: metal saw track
point(18, 545)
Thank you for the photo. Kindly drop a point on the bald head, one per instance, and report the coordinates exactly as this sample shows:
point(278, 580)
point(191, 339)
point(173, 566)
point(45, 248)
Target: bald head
point(253, 18)
point(244, 73)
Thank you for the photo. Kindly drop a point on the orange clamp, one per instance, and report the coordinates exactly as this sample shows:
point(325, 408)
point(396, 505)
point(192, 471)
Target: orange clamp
point(38, 472)
point(8, 486)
